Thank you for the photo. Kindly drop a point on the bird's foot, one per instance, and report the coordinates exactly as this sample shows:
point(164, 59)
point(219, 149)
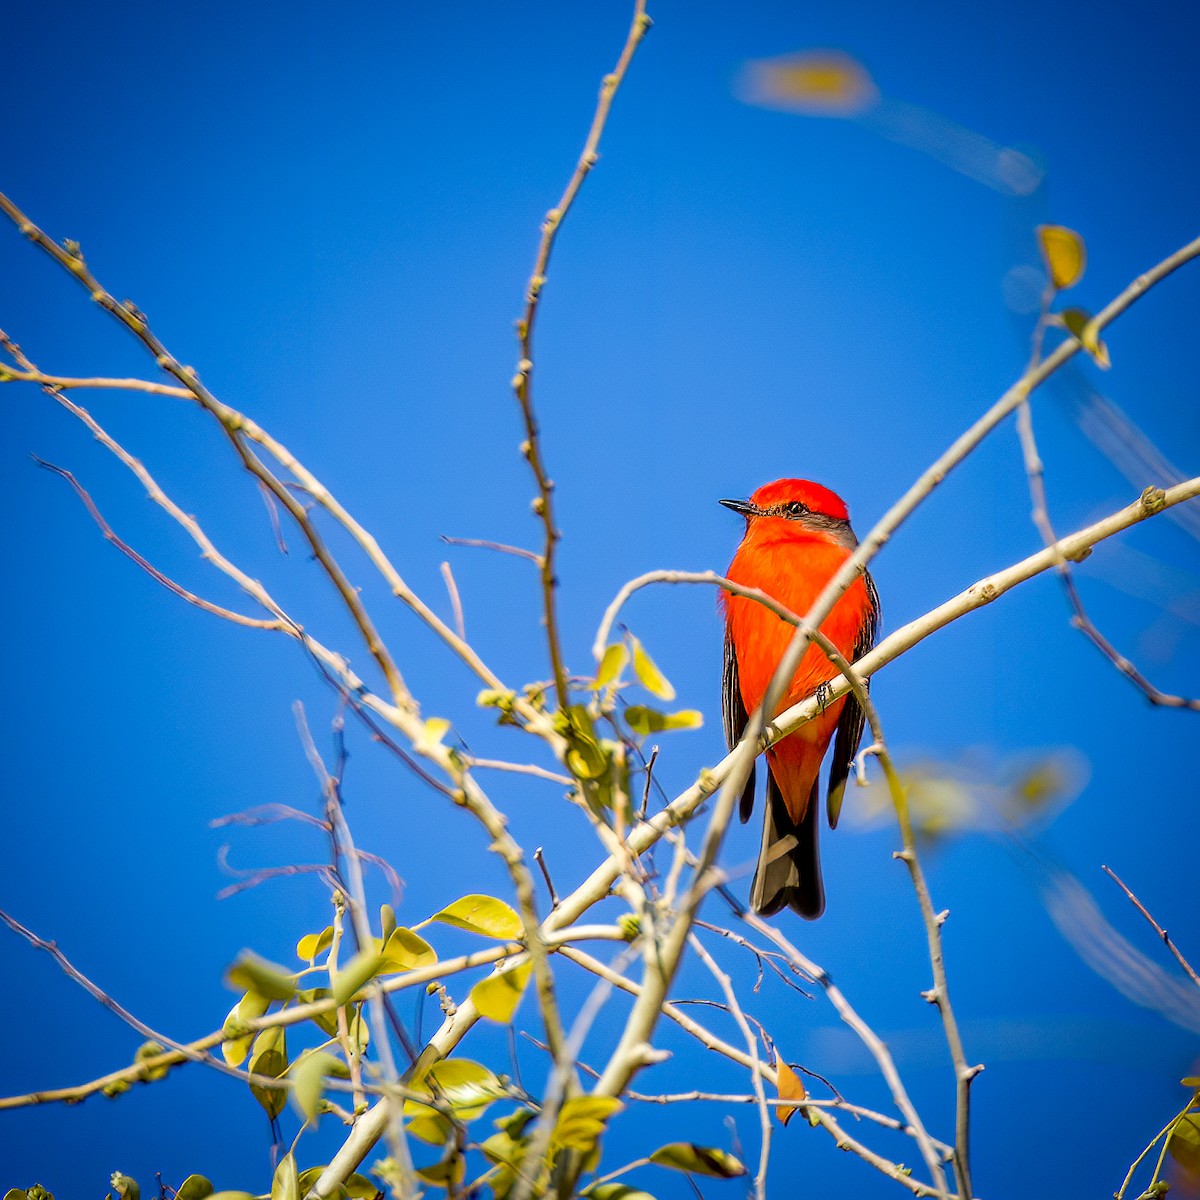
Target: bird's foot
point(822, 695)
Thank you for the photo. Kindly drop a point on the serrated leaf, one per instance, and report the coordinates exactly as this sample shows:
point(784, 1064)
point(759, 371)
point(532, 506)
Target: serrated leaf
point(481, 914)
point(269, 1057)
point(1078, 322)
point(611, 665)
point(699, 1160)
point(194, 1187)
point(498, 996)
point(308, 1081)
point(650, 677)
point(286, 1182)
point(645, 721)
point(790, 1088)
point(1064, 254)
point(405, 951)
point(358, 971)
point(311, 944)
point(1184, 1143)
point(252, 973)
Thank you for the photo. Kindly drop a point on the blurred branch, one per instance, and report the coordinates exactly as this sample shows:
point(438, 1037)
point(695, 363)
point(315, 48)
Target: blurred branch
point(1035, 472)
point(1162, 933)
point(764, 1113)
point(522, 382)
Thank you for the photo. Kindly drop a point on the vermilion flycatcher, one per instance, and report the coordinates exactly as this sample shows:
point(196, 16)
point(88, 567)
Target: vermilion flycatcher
point(797, 536)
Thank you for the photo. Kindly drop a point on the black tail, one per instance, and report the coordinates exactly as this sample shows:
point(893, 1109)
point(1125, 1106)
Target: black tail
point(789, 867)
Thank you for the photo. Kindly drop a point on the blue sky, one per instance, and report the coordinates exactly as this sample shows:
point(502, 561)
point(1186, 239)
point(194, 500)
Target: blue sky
point(332, 216)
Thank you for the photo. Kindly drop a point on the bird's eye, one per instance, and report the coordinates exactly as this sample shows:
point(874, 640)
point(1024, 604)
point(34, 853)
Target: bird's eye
point(796, 509)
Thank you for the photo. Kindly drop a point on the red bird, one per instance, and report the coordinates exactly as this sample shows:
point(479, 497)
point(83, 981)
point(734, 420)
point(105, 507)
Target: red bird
point(797, 536)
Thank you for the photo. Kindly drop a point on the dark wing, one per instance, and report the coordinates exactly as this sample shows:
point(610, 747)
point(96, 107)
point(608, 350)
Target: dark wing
point(735, 718)
point(850, 724)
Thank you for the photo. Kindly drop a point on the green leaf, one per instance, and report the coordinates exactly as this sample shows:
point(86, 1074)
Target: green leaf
point(467, 1087)
point(311, 944)
point(652, 679)
point(482, 914)
point(1184, 1143)
point(194, 1187)
point(308, 1080)
point(125, 1187)
point(611, 666)
point(358, 971)
point(497, 996)
point(233, 1196)
point(286, 1183)
point(447, 1173)
point(585, 757)
point(325, 1021)
point(251, 973)
point(644, 720)
point(150, 1050)
point(1064, 254)
point(614, 1191)
point(404, 950)
point(269, 1057)
point(581, 1121)
point(16, 1194)
point(356, 1187)
point(428, 1124)
point(1191, 1081)
point(1080, 325)
point(248, 1008)
point(699, 1160)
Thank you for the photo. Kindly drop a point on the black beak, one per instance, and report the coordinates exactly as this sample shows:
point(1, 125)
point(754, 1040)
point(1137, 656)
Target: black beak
point(744, 507)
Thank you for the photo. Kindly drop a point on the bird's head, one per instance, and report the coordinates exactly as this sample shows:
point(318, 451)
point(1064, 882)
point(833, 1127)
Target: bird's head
point(803, 504)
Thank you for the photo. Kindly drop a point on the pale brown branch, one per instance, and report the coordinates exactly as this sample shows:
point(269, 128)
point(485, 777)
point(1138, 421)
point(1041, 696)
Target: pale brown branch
point(523, 379)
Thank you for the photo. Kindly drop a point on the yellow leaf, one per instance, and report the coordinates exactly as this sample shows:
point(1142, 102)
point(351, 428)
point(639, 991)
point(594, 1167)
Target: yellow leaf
point(1082, 327)
point(611, 666)
point(482, 914)
point(1064, 254)
point(652, 679)
point(498, 995)
point(790, 1088)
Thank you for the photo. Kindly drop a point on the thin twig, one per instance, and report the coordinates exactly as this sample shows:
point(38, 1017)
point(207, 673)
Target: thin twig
point(764, 1113)
point(1162, 933)
point(151, 570)
point(501, 547)
point(455, 600)
point(523, 379)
